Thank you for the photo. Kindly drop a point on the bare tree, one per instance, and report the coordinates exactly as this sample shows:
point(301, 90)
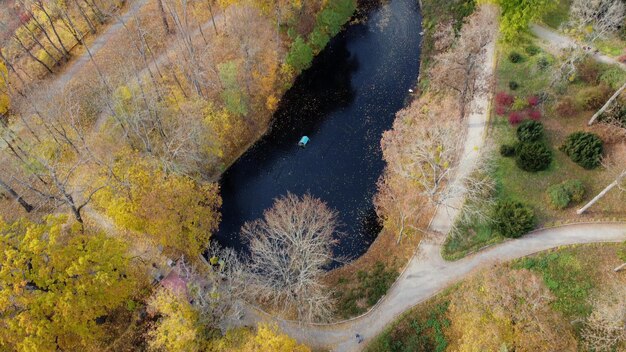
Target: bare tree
point(602, 16)
point(217, 290)
point(289, 248)
point(459, 68)
point(605, 328)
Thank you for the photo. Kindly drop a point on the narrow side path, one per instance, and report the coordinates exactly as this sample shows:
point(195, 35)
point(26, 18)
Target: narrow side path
point(558, 42)
point(64, 78)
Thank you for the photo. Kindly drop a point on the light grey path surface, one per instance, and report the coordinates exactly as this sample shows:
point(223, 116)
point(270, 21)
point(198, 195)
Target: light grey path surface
point(557, 42)
point(62, 80)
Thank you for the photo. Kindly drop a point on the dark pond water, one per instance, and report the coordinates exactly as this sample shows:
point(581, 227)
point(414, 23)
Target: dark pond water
point(344, 103)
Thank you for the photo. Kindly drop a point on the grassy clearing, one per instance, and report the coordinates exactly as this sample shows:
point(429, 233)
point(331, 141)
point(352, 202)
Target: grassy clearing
point(574, 274)
point(372, 285)
point(528, 187)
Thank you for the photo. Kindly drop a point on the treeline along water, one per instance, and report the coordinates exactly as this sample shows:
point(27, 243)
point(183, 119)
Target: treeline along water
point(344, 103)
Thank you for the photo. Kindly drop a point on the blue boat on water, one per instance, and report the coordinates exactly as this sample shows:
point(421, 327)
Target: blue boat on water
point(303, 141)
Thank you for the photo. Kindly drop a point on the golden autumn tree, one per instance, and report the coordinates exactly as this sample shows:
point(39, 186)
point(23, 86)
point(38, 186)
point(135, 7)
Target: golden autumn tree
point(507, 309)
point(267, 338)
point(175, 211)
point(55, 282)
point(5, 101)
point(178, 328)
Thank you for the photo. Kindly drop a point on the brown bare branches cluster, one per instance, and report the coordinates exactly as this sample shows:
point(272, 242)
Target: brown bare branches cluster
point(605, 328)
point(458, 69)
point(289, 249)
point(511, 308)
point(602, 16)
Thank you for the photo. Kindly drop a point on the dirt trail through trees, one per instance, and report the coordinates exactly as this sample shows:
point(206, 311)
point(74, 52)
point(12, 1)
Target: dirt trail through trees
point(61, 81)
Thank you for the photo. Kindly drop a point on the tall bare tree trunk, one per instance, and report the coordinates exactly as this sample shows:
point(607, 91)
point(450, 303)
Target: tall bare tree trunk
point(16, 197)
point(164, 17)
point(608, 103)
point(603, 193)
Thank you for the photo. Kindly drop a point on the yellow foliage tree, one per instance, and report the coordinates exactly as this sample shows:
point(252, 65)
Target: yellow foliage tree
point(510, 309)
point(55, 281)
point(5, 102)
point(176, 211)
point(267, 338)
point(178, 328)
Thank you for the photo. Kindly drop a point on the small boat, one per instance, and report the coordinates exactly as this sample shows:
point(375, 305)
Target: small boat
point(303, 141)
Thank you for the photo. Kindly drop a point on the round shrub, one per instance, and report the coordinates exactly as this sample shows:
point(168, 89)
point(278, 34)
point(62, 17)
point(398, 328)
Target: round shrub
point(513, 85)
point(533, 157)
point(519, 104)
point(584, 148)
point(513, 219)
point(534, 114)
point(507, 150)
point(533, 100)
point(543, 63)
point(592, 98)
point(532, 50)
point(566, 107)
point(530, 131)
point(504, 99)
point(560, 196)
point(515, 57)
point(515, 117)
point(576, 190)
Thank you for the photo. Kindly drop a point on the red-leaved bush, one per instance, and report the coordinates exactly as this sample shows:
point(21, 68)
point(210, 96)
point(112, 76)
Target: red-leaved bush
point(534, 114)
point(515, 117)
point(533, 100)
point(500, 110)
point(504, 99)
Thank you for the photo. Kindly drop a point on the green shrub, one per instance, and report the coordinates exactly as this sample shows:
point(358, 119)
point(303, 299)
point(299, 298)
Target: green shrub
point(533, 156)
point(543, 63)
point(558, 196)
point(519, 104)
point(530, 131)
point(507, 150)
point(513, 85)
point(532, 50)
point(300, 55)
point(513, 219)
point(592, 98)
point(613, 77)
point(515, 57)
point(563, 194)
point(584, 148)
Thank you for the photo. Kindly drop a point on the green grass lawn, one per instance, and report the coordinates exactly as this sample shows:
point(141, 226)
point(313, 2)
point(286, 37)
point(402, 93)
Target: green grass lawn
point(530, 187)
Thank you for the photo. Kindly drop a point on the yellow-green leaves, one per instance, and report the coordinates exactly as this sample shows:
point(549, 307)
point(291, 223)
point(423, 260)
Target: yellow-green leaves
point(56, 282)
